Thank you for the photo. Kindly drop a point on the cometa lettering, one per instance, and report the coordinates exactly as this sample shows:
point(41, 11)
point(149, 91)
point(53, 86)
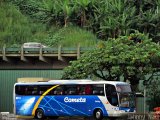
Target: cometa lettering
point(66, 99)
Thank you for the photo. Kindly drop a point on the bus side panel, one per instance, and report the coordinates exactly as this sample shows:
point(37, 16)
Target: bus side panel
point(97, 103)
point(25, 104)
point(71, 105)
point(60, 105)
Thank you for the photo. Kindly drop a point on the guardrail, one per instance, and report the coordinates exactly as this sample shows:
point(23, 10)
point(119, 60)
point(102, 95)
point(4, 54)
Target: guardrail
point(58, 51)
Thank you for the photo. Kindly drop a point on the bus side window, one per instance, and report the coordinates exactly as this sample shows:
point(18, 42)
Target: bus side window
point(41, 92)
point(58, 91)
point(20, 90)
point(98, 89)
point(80, 89)
point(31, 90)
point(88, 90)
point(70, 90)
point(42, 89)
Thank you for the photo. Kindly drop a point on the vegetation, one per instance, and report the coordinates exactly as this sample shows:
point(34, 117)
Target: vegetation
point(153, 93)
point(131, 57)
point(105, 18)
point(71, 37)
point(17, 28)
point(13, 25)
point(42, 20)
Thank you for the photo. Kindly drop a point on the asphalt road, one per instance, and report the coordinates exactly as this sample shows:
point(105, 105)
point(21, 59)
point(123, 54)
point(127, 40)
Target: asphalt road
point(7, 116)
point(61, 118)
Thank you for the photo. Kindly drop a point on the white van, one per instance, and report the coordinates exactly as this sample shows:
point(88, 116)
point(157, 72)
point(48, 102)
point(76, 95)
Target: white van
point(33, 45)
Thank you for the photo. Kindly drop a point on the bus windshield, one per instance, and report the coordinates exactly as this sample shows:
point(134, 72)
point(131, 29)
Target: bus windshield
point(126, 100)
point(120, 95)
point(126, 97)
point(123, 88)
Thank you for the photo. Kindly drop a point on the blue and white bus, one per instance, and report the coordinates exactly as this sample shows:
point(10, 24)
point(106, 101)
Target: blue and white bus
point(73, 98)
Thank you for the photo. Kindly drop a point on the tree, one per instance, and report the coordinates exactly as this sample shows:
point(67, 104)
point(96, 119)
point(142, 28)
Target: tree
point(115, 18)
point(67, 9)
point(153, 92)
point(58, 11)
point(106, 18)
point(131, 57)
point(48, 11)
point(82, 7)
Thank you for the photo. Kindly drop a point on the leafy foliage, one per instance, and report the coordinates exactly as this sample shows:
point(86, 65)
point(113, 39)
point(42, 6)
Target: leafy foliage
point(153, 93)
point(131, 56)
point(16, 29)
point(106, 18)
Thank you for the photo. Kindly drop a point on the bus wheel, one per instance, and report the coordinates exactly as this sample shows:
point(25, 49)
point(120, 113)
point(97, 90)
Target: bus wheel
point(39, 114)
point(98, 114)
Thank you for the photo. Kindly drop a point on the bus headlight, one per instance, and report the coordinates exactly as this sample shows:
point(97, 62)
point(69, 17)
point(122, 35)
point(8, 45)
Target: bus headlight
point(122, 111)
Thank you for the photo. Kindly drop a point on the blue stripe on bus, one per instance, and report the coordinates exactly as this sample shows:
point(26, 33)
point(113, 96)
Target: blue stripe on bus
point(60, 105)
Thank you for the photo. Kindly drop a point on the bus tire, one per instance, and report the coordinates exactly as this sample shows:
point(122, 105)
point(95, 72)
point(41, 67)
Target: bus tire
point(39, 114)
point(98, 114)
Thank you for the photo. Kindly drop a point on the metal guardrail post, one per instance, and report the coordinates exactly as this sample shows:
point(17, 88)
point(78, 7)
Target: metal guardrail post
point(78, 51)
point(4, 53)
point(22, 54)
point(41, 56)
point(60, 53)
point(23, 58)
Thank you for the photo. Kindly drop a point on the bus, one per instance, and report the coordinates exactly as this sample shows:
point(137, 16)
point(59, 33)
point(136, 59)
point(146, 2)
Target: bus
point(85, 98)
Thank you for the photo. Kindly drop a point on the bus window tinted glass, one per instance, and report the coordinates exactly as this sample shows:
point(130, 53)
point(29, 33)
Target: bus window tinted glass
point(84, 89)
point(43, 89)
point(20, 90)
point(31, 90)
point(88, 89)
point(58, 91)
point(26, 90)
point(123, 88)
point(70, 90)
point(98, 89)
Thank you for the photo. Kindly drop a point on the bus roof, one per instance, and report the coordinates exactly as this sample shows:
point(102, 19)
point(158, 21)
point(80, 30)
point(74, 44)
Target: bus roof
point(82, 81)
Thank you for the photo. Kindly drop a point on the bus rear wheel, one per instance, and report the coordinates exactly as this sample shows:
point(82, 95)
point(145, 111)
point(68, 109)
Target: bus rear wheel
point(98, 114)
point(39, 114)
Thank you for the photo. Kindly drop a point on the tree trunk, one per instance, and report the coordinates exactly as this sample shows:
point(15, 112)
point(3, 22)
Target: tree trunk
point(65, 22)
point(83, 18)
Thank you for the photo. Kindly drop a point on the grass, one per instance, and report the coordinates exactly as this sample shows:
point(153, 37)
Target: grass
point(72, 36)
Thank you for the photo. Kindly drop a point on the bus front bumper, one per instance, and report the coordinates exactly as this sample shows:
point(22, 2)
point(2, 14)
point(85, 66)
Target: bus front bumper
point(120, 113)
